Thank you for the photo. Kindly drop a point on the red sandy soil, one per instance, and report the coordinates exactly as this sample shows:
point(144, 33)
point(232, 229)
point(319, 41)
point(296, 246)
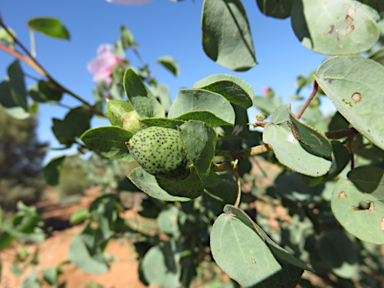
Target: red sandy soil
point(54, 250)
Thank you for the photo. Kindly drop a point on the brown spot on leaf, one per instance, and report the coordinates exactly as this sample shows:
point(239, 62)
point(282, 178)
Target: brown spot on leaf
point(254, 261)
point(356, 97)
point(330, 31)
point(382, 224)
point(350, 27)
point(342, 195)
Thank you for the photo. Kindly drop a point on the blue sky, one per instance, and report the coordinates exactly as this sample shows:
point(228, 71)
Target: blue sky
point(161, 28)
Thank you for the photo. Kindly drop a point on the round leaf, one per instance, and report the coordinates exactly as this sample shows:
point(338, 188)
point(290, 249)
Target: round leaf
point(366, 223)
point(335, 27)
point(355, 86)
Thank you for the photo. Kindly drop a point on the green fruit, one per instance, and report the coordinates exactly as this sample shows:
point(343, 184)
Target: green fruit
point(159, 152)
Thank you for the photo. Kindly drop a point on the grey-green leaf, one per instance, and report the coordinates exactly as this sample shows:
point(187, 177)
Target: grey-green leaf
point(140, 96)
point(335, 27)
point(296, 144)
point(361, 214)
point(227, 37)
point(355, 86)
point(203, 105)
point(184, 190)
point(109, 142)
point(199, 141)
point(161, 266)
point(170, 64)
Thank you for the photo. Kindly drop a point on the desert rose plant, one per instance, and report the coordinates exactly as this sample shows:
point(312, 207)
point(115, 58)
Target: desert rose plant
point(304, 194)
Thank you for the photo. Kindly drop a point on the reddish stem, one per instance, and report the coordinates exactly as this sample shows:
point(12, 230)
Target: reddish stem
point(314, 91)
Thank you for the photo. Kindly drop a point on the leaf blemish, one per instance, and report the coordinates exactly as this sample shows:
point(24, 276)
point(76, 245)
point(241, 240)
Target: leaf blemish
point(348, 104)
point(350, 27)
point(382, 224)
point(254, 261)
point(356, 97)
point(342, 195)
point(367, 206)
point(330, 31)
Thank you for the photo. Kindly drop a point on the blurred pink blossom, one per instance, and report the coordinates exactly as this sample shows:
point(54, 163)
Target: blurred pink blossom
point(130, 2)
point(102, 66)
point(265, 90)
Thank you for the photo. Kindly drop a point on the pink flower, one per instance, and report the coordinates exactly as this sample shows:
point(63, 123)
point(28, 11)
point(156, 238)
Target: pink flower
point(130, 2)
point(265, 90)
point(102, 66)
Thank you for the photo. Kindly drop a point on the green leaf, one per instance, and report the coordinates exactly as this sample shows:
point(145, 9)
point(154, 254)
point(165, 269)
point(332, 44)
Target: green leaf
point(162, 93)
point(85, 251)
point(45, 92)
point(109, 142)
point(338, 251)
point(276, 249)
point(161, 122)
point(335, 27)
point(17, 84)
point(32, 281)
point(221, 195)
point(167, 221)
point(167, 190)
point(9, 103)
point(122, 114)
point(340, 159)
point(202, 105)
point(243, 255)
point(361, 214)
point(266, 104)
point(234, 89)
point(78, 216)
point(75, 123)
point(227, 37)
point(170, 64)
point(140, 97)
point(126, 37)
point(50, 27)
point(275, 8)
point(50, 275)
point(296, 144)
point(161, 266)
point(51, 172)
point(5, 240)
point(199, 141)
point(355, 86)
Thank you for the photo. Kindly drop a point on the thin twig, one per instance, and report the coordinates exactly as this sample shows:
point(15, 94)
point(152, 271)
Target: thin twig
point(314, 91)
point(258, 123)
point(236, 173)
